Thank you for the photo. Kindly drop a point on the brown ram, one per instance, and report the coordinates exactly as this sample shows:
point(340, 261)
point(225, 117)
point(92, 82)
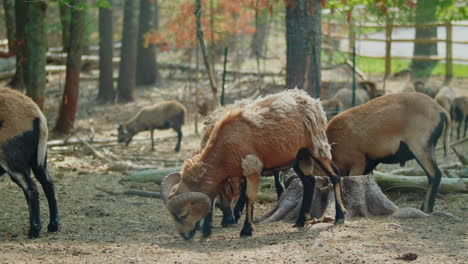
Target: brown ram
point(165, 115)
point(23, 147)
point(459, 113)
point(390, 129)
point(284, 129)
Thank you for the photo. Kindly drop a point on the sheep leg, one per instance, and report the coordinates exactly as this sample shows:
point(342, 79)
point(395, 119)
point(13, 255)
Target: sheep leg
point(228, 217)
point(425, 159)
point(253, 182)
point(278, 186)
point(206, 229)
point(459, 128)
point(241, 202)
point(152, 139)
point(466, 126)
point(334, 174)
point(308, 183)
point(31, 194)
point(42, 175)
point(179, 139)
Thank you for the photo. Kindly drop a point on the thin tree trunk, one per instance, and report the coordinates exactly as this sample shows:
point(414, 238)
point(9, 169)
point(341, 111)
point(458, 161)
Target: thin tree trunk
point(65, 17)
point(312, 74)
point(9, 8)
point(298, 27)
point(146, 63)
point(425, 12)
point(18, 81)
point(106, 83)
point(127, 70)
point(36, 48)
point(69, 103)
point(262, 26)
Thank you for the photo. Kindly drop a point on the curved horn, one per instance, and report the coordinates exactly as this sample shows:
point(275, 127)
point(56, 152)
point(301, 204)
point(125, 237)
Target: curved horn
point(199, 198)
point(167, 183)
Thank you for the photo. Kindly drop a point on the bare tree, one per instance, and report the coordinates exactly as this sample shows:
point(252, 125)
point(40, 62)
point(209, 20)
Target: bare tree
point(106, 83)
point(147, 71)
point(68, 107)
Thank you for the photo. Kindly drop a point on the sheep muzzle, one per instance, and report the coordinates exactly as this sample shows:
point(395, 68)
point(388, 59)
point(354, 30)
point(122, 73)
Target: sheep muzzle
point(187, 210)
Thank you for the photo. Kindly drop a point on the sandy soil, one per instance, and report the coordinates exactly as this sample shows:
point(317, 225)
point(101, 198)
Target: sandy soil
point(99, 227)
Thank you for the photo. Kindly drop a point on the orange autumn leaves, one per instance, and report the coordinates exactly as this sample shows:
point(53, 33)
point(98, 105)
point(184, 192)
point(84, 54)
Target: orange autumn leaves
point(230, 18)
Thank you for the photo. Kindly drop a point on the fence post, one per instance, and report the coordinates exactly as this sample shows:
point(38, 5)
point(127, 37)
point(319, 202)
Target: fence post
point(388, 47)
point(448, 52)
point(352, 47)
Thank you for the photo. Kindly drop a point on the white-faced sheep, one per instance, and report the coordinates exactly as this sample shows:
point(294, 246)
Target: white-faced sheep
point(165, 115)
point(343, 98)
point(390, 129)
point(445, 97)
point(459, 113)
point(23, 147)
point(284, 129)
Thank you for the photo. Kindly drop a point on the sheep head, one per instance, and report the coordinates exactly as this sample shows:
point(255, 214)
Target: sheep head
point(124, 135)
point(187, 208)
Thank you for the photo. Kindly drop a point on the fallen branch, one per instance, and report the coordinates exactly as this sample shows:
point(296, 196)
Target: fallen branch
point(419, 172)
point(463, 158)
point(142, 193)
point(96, 152)
point(458, 142)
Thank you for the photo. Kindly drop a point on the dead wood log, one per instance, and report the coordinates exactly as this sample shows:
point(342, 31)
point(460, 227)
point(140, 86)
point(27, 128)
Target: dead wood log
point(152, 175)
point(419, 172)
point(447, 185)
point(143, 193)
point(463, 158)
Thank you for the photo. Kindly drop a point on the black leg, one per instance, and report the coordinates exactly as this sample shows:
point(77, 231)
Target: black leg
point(179, 139)
point(466, 126)
point(278, 186)
point(32, 198)
point(42, 175)
point(247, 229)
point(228, 216)
point(206, 230)
point(253, 182)
point(308, 183)
point(241, 202)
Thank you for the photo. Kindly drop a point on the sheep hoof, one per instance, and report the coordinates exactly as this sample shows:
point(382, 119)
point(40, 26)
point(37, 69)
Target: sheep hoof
point(33, 233)
point(228, 221)
point(53, 227)
point(177, 149)
point(339, 221)
point(246, 232)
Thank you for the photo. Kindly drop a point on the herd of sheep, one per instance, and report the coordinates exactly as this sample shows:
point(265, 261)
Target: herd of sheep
point(253, 138)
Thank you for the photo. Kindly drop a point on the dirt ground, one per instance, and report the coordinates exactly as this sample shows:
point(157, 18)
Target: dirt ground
point(107, 227)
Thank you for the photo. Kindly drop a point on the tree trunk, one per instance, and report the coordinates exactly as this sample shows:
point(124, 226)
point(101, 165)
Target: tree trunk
point(9, 8)
point(425, 12)
point(69, 103)
point(127, 70)
point(18, 82)
point(262, 28)
point(298, 28)
point(312, 69)
point(36, 48)
point(65, 17)
point(106, 46)
point(146, 63)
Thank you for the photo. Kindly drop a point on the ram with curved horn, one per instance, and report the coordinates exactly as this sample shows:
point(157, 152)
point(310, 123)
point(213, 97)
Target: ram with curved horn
point(279, 130)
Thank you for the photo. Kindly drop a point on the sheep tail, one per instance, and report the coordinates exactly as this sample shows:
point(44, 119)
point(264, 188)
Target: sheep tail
point(448, 125)
point(42, 131)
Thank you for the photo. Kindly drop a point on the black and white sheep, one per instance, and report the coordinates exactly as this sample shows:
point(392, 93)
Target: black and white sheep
point(284, 129)
point(390, 129)
point(165, 115)
point(23, 147)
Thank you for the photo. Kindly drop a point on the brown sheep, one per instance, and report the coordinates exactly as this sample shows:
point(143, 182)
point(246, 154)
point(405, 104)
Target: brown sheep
point(459, 113)
point(23, 147)
point(390, 129)
point(445, 97)
point(284, 129)
point(165, 115)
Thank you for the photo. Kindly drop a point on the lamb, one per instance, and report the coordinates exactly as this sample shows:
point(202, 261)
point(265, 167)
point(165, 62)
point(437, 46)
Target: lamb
point(23, 147)
point(445, 97)
point(393, 128)
point(283, 129)
point(165, 115)
point(342, 100)
point(459, 113)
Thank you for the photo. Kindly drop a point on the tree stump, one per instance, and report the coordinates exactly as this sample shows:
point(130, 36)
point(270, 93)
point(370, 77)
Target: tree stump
point(361, 196)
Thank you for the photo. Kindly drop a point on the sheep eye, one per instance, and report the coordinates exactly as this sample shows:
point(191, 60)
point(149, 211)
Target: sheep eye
point(182, 218)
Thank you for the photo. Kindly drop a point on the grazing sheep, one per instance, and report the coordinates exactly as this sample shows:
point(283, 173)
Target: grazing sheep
point(165, 115)
point(445, 97)
point(23, 147)
point(284, 129)
point(430, 89)
point(343, 99)
point(459, 113)
point(390, 129)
